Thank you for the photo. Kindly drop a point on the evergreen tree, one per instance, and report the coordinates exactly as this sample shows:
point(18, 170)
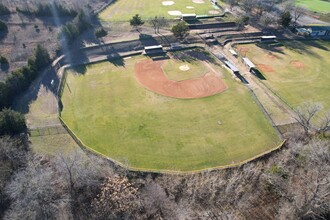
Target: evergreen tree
point(136, 21)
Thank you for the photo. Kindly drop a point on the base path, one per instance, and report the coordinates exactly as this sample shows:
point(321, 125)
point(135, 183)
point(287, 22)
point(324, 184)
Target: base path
point(150, 74)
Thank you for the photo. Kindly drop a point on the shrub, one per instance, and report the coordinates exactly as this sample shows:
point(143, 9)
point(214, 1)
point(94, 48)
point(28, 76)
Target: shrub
point(11, 122)
point(100, 32)
point(180, 30)
point(3, 60)
point(4, 10)
point(3, 26)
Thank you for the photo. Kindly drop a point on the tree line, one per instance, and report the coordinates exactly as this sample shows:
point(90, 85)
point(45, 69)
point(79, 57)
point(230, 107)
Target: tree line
point(16, 83)
point(71, 30)
point(46, 10)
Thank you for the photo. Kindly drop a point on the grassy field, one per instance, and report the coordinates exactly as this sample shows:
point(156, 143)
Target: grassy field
point(113, 114)
point(315, 5)
point(123, 10)
point(297, 70)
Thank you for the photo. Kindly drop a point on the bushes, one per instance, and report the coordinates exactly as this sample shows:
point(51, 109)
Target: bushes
point(11, 122)
point(3, 26)
point(72, 30)
point(4, 64)
point(180, 30)
point(20, 79)
point(100, 32)
point(3, 60)
point(4, 10)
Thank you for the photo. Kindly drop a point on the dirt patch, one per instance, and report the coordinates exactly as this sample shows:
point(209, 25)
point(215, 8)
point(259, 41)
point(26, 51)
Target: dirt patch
point(198, 1)
point(150, 74)
point(265, 68)
point(175, 13)
point(243, 49)
point(214, 12)
point(167, 3)
point(271, 56)
point(297, 64)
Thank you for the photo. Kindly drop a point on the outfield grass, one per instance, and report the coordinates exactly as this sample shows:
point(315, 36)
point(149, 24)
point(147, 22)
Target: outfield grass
point(123, 10)
point(315, 5)
point(308, 83)
point(113, 114)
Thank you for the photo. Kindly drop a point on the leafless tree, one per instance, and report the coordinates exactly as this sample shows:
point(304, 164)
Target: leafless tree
point(37, 192)
point(81, 173)
point(231, 3)
point(297, 12)
point(305, 113)
point(158, 22)
point(118, 198)
point(78, 169)
point(324, 124)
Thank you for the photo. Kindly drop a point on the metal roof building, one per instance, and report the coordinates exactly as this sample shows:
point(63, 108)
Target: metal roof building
point(248, 63)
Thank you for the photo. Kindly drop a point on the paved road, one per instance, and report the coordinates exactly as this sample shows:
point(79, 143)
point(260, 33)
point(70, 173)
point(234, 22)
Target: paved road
point(306, 19)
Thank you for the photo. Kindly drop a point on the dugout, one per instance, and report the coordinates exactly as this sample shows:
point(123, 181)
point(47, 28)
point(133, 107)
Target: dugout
point(232, 67)
point(188, 17)
point(248, 63)
point(271, 38)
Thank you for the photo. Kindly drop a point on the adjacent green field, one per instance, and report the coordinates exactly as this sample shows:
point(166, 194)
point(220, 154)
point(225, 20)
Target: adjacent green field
point(296, 70)
point(123, 10)
point(322, 6)
point(113, 114)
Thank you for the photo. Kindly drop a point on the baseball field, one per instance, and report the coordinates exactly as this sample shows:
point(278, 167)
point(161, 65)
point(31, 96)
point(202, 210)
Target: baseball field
point(135, 114)
point(296, 70)
point(123, 10)
point(321, 6)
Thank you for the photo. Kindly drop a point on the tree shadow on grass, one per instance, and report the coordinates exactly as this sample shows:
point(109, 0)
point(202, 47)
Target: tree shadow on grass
point(148, 40)
point(193, 55)
point(118, 61)
point(272, 47)
point(81, 69)
point(304, 47)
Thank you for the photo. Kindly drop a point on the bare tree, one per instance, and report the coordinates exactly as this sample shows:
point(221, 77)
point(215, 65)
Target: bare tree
point(81, 173)
point(118, 198)
point(324, 124)
point(297, 12)
point(157, 23)
point(231, 3)
point(37, 192)
point(304, 115)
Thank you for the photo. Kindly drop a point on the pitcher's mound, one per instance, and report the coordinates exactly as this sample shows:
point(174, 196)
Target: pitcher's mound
point(150, 74)
point(184, 67)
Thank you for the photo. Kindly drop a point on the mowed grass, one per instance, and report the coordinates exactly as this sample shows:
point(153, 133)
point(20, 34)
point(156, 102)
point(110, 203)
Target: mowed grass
point(123, 10)
point(315, 5)
point(113, 114)
point(300, 69)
